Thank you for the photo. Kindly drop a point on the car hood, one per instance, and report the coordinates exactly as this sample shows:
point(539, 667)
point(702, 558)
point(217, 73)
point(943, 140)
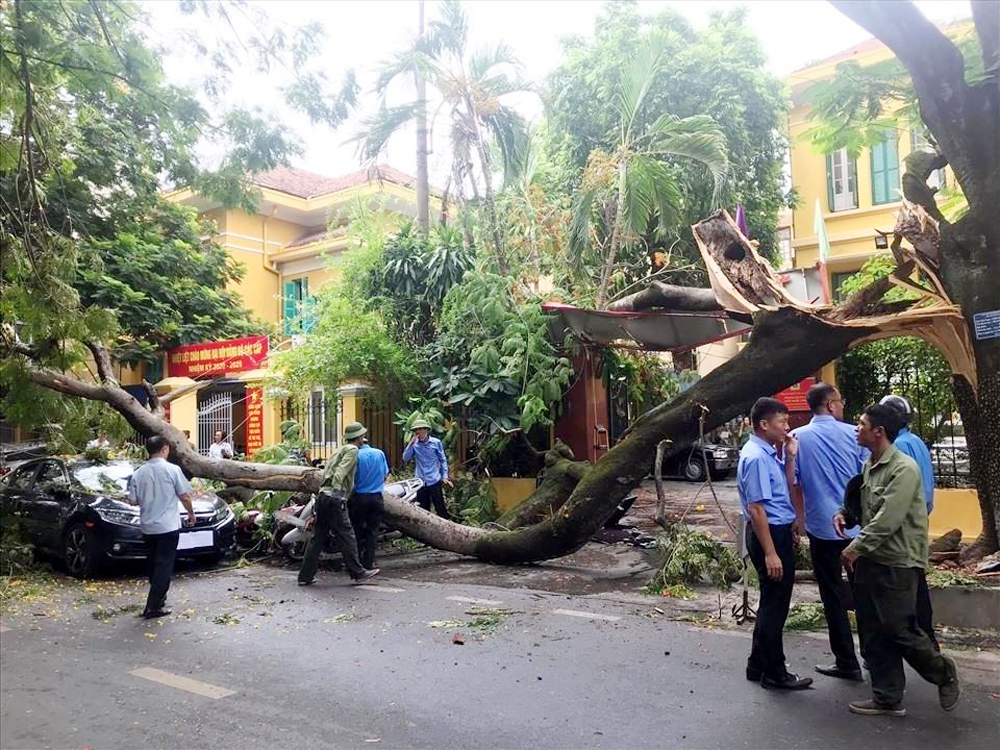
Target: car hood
point(203, 504)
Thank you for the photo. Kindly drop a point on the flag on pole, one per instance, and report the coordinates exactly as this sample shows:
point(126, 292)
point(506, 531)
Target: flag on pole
point(819, 226)
point(741, 219)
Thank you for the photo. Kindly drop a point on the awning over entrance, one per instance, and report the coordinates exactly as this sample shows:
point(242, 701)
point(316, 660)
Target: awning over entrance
point(660, 331)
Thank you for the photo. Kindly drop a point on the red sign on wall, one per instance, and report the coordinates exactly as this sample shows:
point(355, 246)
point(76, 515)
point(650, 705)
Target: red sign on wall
point(795, 397)
point(214, 359)
point(255, 420)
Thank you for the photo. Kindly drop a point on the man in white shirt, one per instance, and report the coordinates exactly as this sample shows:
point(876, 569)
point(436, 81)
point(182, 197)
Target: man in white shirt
point(220, 447)
point(155, 487)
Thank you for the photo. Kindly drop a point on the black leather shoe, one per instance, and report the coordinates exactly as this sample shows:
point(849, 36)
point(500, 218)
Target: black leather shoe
point(788, 682)
point(151, 614)
point(832, 670)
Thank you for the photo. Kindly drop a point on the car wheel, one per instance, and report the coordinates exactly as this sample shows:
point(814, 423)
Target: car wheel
point(81, 552)
point(694, 469)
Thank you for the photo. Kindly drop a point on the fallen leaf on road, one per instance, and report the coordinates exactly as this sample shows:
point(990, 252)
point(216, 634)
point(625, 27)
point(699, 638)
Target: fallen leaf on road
point(150, 636)
point(458, 639)
point(445, 624)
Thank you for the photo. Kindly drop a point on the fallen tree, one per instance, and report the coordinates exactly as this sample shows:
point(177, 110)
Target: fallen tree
point(789, 341)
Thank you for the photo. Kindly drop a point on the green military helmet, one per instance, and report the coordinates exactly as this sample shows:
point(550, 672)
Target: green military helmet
point(420, 424)
point(354, 430)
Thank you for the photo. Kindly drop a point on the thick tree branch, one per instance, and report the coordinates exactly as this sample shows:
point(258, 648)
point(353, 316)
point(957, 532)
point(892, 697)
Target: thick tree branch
point(955, 113)
point(105, 370)
point(670, 297)
point(986, 16)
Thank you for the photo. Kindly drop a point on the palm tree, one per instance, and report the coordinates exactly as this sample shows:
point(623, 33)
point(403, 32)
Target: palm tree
point(632, 192)
point(472, 89)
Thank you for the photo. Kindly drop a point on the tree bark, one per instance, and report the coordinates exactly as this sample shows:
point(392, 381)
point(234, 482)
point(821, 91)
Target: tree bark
point(965, 121)
point(670, 297)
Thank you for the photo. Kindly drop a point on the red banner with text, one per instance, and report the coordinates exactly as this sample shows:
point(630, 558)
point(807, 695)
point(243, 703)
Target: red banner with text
point(214, 359)
point(255, 420)
point(794, 398)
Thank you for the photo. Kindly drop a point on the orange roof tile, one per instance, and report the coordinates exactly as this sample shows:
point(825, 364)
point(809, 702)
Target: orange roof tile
point(303, 184)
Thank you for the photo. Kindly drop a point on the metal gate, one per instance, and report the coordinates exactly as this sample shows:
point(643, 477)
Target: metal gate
point(214, 413)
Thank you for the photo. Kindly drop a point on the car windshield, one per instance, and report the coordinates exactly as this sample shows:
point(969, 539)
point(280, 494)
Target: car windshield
point(110, 478)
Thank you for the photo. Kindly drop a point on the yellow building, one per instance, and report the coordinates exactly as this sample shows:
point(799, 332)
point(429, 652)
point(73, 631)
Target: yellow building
point(285, 247)
point(858, 195)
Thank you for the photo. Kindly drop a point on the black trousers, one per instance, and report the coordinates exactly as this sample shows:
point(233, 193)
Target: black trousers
point(161, 552)
point(366, 517)
point(925, 615)
point(887, 613)
point(331, 516)
point(836, 595)
point(433, 493)
point(767, 654)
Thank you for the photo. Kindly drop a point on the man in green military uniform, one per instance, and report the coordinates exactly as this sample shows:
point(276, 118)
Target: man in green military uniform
point(887, 558)
point(332, 514)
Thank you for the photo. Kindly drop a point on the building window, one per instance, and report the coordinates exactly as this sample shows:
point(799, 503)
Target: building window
point(785, 247)
point(299, 308)
point(841, 181)
point(885, 171)
point(919, 141)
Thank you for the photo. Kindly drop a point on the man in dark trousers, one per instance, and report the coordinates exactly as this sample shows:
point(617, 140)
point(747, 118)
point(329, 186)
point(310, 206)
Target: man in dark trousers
point(155, 487)
point(887, 557)
point(908, 443)
point(762, 480)
point(367, 503)
point(331, 511)
point(828, 457)
point(432, 467)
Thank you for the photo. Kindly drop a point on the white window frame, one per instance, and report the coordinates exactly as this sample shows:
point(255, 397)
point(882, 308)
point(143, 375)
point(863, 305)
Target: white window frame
point(844, 198)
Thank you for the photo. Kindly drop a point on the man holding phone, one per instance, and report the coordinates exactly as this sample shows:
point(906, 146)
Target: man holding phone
point(155, 487)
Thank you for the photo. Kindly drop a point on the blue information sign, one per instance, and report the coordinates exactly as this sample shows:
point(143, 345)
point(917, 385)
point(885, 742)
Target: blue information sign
point(987, 325)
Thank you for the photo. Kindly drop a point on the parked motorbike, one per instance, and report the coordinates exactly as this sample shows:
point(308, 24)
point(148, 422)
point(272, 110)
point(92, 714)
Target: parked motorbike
point(291, 535)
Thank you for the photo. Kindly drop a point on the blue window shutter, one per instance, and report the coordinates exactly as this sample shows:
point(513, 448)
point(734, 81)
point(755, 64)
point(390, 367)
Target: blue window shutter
point(291, 308)
point(829, 182)
point(878, 173)
point(852, 179)
point(892, 169)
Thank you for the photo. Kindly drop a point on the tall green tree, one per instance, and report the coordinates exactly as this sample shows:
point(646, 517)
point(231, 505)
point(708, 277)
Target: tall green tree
point(717, 71)
point(947, 83)
point(96, 265)
point(472, 89)
point(632, 192)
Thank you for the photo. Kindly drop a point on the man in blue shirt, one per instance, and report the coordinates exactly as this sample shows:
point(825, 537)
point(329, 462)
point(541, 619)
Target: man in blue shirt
point(908, 443)
point(432, 467)
point(828, 458)
point(762, 480)
point(367, 505)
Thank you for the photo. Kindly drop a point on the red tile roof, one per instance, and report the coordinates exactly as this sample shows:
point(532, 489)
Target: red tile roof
point(303, 184)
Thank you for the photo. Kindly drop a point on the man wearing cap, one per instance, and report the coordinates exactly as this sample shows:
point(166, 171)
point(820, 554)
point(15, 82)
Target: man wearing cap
point(332, 514)
point(914, 447)
point(432, 467)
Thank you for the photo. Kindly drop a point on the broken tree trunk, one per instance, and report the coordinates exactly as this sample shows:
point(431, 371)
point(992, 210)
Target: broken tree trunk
point(789, 341)
point(558, 480)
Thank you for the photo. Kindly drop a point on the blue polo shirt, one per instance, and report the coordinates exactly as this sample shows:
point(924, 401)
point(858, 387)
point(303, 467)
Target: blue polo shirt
point(760, 478)
point(829, 457)
point(369, 475)
point(432, 464)
point(916, 449)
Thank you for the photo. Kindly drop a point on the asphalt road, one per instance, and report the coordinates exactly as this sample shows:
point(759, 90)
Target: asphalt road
point(250, 660)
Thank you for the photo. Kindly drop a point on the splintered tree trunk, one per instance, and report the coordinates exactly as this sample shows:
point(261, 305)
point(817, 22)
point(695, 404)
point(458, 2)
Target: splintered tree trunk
point(968, 252)
point(789, 341)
